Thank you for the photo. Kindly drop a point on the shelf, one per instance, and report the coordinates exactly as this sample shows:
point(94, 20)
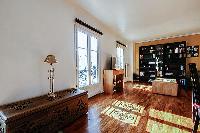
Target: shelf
point(147, 68)
point(170, 71)
point(173, 53)
point(147, 53)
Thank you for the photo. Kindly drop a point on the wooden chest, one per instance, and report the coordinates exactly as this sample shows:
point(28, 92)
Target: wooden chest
point(43, 115)
point(166, 88)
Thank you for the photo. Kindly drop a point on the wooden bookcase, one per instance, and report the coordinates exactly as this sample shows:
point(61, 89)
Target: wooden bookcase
point(163, 60)
point(175, 61)
point(147, 63)
point(113, 81)
point(159, 60)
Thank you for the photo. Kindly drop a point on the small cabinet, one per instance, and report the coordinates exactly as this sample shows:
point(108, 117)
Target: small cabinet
point(113, 81)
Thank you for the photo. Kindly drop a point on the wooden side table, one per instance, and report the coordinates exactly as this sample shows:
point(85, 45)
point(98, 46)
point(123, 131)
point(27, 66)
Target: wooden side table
point(113, 81)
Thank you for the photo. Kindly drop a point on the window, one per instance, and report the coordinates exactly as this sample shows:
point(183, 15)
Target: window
point(120, 58)
point(87, 58)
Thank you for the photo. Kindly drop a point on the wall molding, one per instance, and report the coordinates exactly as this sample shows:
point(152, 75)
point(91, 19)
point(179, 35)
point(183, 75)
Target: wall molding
point(169, 37)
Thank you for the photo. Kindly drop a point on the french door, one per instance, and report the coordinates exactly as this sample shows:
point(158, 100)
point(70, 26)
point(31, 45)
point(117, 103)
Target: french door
point(87, 59)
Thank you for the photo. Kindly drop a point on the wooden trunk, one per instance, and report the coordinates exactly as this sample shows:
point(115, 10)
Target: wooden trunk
point(43, 115)
point(166, 88)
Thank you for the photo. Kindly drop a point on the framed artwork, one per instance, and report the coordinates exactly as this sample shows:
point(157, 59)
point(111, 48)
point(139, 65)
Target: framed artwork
point(193, 51)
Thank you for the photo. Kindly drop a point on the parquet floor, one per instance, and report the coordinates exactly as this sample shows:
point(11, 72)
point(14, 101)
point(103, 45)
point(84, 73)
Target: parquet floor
point(136, 110)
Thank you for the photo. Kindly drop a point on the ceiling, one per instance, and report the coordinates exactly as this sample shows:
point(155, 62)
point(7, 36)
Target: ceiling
point(140, 20)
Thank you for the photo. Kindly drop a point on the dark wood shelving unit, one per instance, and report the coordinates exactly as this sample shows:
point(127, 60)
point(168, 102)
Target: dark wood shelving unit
point(147, 63)
point(175, 61)
point(159, 60)
point(164, 61)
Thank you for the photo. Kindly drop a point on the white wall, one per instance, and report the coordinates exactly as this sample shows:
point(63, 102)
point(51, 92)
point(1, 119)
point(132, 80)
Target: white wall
point(32, 29)
point(129, 60)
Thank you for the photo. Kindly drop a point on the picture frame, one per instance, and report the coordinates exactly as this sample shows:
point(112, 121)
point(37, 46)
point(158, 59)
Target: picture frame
point(193, 51)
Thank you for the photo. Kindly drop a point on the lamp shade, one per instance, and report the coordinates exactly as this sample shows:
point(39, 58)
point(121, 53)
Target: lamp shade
point(50, 59)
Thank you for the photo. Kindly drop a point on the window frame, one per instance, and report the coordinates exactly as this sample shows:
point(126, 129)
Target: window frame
point(89, 34)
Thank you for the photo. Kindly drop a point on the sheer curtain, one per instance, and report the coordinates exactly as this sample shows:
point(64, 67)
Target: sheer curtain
point(120, 56)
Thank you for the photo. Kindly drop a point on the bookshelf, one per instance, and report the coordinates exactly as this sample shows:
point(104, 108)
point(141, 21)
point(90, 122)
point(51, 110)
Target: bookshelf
point(164, 61)
point(175, 61)
point(159, 60)
point(147, 65)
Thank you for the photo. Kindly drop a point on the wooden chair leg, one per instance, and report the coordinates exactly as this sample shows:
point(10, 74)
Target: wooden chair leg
point(196, 124)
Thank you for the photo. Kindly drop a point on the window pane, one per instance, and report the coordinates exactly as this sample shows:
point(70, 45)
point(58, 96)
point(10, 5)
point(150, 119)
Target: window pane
point(94, 76)
point(121, 52)
point(82, 40)
point(121, 62)
point(120, 57)
point(94, 67)
point(94, 44)
point(83, 78)
point(93, 60)
point(118, 52)
point(82, 58)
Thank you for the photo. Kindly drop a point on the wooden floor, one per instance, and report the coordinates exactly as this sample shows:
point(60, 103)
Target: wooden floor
point(136, 110)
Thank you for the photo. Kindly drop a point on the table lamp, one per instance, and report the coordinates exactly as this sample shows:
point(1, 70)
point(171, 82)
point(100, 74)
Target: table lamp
point(51, 60)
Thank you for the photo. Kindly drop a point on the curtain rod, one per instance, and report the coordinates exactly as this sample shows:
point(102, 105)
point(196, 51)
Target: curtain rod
point(88, 26)
point(121, 43)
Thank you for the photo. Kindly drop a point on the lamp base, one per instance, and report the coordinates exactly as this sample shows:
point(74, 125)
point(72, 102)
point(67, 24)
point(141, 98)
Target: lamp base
point(51, 95)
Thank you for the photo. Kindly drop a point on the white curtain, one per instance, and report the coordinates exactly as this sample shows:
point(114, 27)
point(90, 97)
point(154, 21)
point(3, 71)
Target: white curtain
point(120, 56)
